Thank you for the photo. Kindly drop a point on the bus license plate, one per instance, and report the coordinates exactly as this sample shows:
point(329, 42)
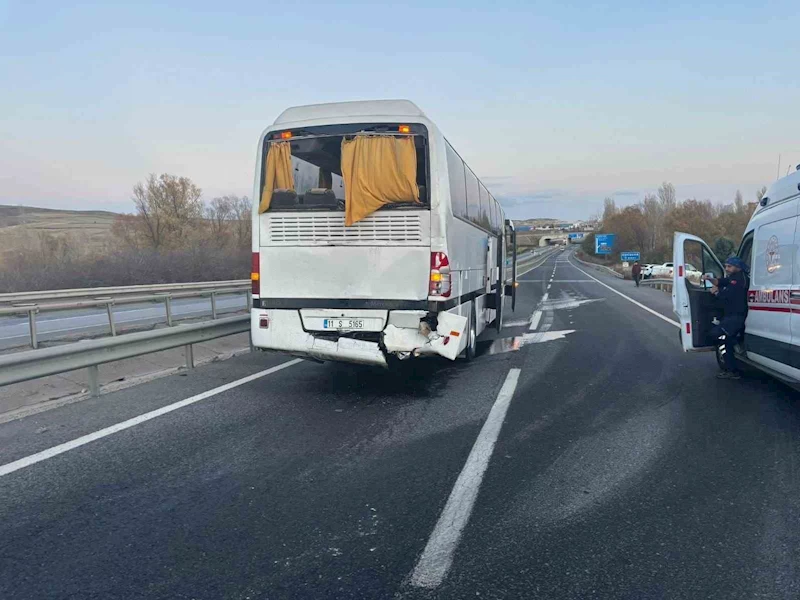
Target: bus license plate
point(354, 324)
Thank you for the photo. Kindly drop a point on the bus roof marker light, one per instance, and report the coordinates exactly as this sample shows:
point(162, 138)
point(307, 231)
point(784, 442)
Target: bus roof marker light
point(404, 129)
point(286, 135)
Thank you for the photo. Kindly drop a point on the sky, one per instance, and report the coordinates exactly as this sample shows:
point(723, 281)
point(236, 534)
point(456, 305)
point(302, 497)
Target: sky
point(554, 105)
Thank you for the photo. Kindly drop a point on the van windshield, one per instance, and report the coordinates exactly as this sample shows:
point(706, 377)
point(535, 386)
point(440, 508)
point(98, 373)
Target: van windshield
point(316, 166)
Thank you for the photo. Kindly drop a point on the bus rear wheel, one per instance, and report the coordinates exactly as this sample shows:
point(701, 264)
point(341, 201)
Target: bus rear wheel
point(472, 335)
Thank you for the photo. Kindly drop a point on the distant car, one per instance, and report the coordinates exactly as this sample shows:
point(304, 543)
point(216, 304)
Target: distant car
point(693, 274)
point(666, 270)
point(662, 271)
point(647, 270)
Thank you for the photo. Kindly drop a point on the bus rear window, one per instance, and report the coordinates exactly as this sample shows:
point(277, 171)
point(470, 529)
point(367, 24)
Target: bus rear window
point(316, 159)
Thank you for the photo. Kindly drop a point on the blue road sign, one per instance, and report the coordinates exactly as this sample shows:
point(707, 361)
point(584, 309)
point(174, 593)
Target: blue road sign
point(604, 243)
point(575, 236)
point(630, 256)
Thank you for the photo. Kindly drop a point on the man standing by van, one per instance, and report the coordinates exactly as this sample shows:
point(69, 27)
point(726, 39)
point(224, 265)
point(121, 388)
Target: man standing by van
point(732, 292)
point(636, 271)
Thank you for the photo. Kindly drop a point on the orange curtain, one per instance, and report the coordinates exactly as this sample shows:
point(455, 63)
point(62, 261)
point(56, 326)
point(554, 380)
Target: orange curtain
point(377, 170)
point(278, 172)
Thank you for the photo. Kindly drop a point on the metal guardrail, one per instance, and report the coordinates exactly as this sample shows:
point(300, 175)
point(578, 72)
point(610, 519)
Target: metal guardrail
point(660, 284)
point(33, 364)
point(91, 299)
point(41, 296)
point(599, 267)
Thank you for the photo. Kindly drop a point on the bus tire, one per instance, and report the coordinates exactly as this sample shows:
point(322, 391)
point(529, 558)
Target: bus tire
point(472, 335)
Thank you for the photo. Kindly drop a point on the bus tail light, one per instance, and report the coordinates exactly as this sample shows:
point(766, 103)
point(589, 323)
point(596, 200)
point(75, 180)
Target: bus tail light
point(440, 275)
point(255, 273)
point(680, 270)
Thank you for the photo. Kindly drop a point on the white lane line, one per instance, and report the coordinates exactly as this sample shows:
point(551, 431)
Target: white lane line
point(535, 318)
point(549, 285)
point(437, 558)
point(83, 440)
point(545, 297)
point(516, 323)
point(629, 299)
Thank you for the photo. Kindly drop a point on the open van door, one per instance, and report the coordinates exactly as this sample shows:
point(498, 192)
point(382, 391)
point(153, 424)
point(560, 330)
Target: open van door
point(692, 301)
point(510, 274)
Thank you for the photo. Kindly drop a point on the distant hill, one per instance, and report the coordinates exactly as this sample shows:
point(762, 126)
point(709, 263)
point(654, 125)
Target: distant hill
point(537, 222)
point(21, 225)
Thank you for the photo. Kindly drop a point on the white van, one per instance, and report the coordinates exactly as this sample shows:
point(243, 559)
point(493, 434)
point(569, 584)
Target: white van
point(770, 247)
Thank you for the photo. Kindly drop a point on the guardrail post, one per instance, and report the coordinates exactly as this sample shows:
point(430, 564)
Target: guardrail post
point(189, 349)
point(94, 383)
point(213, 305)
point(32, 322)
point(247, 300)
point(168, 307)
point(110, 311)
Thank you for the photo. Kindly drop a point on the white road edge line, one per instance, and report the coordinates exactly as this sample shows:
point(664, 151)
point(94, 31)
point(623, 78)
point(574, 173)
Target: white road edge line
point(437, 558)
point(629, 299)
point(91, 437)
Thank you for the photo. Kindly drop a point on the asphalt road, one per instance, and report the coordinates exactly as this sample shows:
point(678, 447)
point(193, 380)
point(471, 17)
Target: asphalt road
point(623, 469)
point(87, 322)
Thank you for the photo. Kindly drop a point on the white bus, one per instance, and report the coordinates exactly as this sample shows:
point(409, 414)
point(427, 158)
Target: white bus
point(372, 239)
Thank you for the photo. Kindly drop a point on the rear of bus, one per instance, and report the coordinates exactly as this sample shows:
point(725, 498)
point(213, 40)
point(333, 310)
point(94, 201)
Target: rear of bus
point(329, 290)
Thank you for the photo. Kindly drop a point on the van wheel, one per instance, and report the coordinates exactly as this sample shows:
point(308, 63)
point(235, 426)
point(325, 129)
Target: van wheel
point(472, 335)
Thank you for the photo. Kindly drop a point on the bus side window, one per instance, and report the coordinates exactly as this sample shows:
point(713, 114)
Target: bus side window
point(473, 196)
point(458, 184)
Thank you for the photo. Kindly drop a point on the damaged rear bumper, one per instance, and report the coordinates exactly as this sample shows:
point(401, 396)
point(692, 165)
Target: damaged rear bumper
point(283, 330)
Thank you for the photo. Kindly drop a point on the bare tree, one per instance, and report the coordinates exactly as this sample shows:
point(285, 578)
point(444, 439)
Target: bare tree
point(168, 207)
point(738, 203)
point(243, 215)
point(219, 213)
point(666, 195)
point(653, 213)
point(761, 193)
point(609, 208)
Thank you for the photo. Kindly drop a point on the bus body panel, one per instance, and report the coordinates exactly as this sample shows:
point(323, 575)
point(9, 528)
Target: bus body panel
point(309, 259)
